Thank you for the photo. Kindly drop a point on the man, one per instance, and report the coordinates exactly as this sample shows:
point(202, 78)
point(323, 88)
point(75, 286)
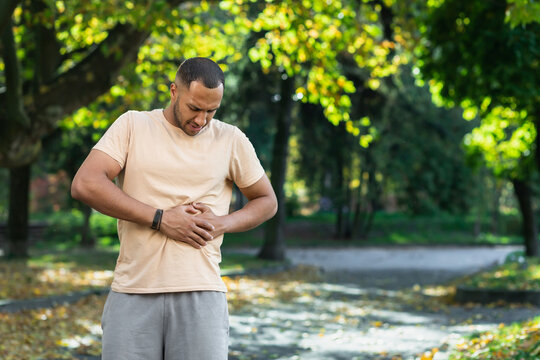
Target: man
point(175, 170)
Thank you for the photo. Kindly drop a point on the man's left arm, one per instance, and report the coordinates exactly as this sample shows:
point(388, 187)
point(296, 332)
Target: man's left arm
point(261, 206)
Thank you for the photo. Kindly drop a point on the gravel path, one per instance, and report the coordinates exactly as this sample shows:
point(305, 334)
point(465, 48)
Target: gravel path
point(367, 305)
point(447, 258)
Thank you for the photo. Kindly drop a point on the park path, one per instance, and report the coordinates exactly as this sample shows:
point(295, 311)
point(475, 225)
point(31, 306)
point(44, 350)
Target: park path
point(426, 258)
point(368, 304)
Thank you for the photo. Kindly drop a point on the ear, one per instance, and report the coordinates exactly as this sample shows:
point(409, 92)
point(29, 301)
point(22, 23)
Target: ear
point(173, 90)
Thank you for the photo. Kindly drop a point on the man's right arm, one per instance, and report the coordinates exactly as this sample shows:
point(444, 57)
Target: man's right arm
point(93, 184)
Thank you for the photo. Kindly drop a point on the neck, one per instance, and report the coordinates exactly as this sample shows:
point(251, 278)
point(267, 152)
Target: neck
point(169, 116)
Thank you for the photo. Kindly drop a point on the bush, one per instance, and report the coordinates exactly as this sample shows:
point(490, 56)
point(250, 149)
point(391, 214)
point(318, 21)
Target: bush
point(103, 225)
point(63, 225)
point(64, 228)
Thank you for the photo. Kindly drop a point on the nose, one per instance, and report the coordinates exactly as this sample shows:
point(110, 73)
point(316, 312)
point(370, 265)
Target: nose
point(200, 119)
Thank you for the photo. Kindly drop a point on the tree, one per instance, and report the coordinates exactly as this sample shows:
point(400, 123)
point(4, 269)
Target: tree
point(55, 60)
point(522, 12)
point(432, 175)
point(303, 42)
point(423, 176)
point(503, 141)
point(474, 57)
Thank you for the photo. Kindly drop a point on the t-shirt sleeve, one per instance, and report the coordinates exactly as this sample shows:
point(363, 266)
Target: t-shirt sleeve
point(115, 141)
point(245, 168)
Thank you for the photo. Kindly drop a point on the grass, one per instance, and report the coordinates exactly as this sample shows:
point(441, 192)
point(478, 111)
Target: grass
point(518, 341)
point(312, 231)
point(388, 229)
point(241, 263)
point(519, 273)
point(442, 229)
point(53, 272)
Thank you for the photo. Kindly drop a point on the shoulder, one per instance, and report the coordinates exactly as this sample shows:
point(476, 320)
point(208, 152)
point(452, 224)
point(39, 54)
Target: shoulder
point(223, 129)
point(136, 115)
point(135, 118)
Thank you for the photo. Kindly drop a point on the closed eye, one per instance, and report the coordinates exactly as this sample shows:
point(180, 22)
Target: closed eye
point(194, 108)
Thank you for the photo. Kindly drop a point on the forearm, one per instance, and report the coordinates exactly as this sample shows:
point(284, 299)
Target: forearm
point(103, 195)
point(254, 213)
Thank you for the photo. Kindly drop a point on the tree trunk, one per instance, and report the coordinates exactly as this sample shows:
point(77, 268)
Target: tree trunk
point(480, 201)
point(339, 226)
point(88, 241)
point(274, 237)
point(347, 230)
point(496, 213)
point(358, 216)
point(366, 221)
point(530, 233)
point(17, 226)
point(536, 121)
point(369, 220)
point(364, 215)
point(343, 159)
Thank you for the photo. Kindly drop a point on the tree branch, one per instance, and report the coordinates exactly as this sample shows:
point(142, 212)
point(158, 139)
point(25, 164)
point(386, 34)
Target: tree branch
point(70, 54)
point(387, 18)
point(92, 76)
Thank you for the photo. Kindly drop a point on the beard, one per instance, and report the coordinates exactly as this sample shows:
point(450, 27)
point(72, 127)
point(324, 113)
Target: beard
point(177, 117)
point(182, 124)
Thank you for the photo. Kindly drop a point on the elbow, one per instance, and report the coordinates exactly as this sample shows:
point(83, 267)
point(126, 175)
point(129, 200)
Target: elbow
point(273, 208)
point(78, 189)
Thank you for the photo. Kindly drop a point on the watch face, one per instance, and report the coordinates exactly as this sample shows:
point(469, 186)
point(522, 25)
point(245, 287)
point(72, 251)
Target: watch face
point(156, 223)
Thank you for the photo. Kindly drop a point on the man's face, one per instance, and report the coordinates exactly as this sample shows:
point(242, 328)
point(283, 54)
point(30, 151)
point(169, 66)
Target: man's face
point(195, 107)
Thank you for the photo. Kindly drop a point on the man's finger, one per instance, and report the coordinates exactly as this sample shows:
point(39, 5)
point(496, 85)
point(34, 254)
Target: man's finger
point(203, 234)
point(193, 243)
point(190, 209)
point(203, 224)
point(200, 236)
point(201, 207)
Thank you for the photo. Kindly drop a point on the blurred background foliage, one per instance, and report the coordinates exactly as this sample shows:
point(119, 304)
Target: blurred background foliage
point(362, 112)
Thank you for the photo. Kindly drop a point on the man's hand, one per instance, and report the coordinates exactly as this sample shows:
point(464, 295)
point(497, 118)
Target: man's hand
point(207, 214)
point(181, 224)
point(261, 206)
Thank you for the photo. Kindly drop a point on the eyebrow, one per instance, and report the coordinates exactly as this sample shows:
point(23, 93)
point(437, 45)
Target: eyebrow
point(195, 108)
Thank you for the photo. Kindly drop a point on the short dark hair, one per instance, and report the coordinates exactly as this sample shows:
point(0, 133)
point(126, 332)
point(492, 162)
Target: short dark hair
point(200, 69)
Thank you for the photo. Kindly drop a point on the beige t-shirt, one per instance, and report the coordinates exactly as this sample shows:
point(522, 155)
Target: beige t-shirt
point(163, 167)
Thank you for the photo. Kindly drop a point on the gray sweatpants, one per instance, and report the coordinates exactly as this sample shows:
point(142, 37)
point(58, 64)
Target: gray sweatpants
point(170, 326)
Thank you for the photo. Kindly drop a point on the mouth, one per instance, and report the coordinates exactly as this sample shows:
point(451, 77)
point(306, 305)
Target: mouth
point(195, 127)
